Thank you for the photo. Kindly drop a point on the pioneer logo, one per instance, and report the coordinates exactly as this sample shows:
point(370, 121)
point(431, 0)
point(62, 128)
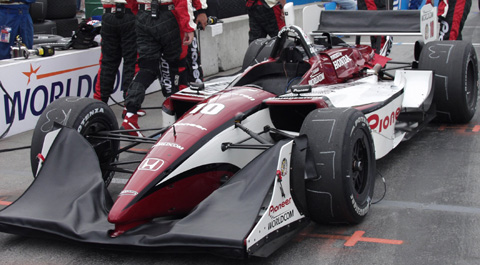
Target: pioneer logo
point(379, 124)
point(274, 209)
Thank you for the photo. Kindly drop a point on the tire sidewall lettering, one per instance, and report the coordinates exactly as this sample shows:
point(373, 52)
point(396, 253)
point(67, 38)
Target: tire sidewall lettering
point(88, 116)
point(359, 130)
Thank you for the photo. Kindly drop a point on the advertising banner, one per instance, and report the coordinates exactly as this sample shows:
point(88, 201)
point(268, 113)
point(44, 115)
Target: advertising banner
point(34, 83)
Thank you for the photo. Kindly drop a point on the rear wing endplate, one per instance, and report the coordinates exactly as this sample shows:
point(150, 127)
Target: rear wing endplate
point(422, 23)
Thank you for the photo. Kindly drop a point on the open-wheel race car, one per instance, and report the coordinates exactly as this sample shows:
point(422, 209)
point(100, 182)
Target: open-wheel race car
point(243, 168)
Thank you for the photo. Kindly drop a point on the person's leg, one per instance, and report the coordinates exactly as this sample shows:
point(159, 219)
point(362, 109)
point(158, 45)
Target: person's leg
point(452, 25)
point(26, 27)
point(111, 55)
point(128, 44)
point(256, 31)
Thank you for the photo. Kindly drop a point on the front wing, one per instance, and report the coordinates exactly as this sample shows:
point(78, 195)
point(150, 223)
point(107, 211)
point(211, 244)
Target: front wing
point(74, 206)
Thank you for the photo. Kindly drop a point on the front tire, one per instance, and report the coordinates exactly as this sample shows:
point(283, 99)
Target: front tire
point(87, 116)
point(341, 144)
point(455, 67)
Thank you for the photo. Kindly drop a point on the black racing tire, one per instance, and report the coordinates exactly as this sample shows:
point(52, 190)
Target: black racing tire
point(60, 9)
point(38, 10)
point(66, 27)
point(455, 68)
point(46, 27)
point(86, 115)
point(341, 144)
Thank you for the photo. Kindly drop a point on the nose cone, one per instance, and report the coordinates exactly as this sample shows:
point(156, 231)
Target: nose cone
point(120, 212)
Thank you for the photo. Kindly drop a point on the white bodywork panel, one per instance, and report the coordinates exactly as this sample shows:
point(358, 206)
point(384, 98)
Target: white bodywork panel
point(410, 89)
point(47, 144)
point(428, 23)
point(418, 86)
point(281, 210)
point(212, 153)
point(311, 17)
point(356, 93)
point(289, 12)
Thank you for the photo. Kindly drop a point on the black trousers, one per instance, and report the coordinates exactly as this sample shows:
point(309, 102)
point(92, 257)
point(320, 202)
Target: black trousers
point(118, 41)
point(156, 37)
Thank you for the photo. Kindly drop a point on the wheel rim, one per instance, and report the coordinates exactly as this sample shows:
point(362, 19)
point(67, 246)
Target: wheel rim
point(105, 149)
point(360, 165)
point(470, 89)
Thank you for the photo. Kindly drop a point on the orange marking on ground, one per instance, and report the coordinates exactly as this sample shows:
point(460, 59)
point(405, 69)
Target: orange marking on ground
point(460, 128)
point(442, 127)
point(355, 238)
point(2, 202)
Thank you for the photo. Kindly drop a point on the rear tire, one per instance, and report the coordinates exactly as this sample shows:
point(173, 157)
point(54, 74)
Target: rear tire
point(87, 116)
point(341, 144)
point(455, 66)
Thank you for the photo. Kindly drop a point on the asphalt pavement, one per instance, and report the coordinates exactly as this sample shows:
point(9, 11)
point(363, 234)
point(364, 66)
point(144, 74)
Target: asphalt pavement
point(430, 213)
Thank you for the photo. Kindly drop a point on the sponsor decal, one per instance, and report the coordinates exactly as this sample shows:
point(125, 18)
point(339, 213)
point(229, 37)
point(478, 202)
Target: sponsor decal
point(195, 63)
point(151, 164)
point(287, 29)
point(378, 124)
point(275, 208)
point(245, 96)
point(166, 78)
point(341, 61)
point(32, 100)
point(174, 145)
point(317, 79)
point(444, 28)
point(427, 15)
point(128, 193)
point(41, 76)
point(88, 116)
point(191, 125)
point(284, 167)
point(335, 55)
point(279, 219)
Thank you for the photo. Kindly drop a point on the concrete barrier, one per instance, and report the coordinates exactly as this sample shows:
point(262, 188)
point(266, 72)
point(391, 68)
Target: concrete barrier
point(226, 50)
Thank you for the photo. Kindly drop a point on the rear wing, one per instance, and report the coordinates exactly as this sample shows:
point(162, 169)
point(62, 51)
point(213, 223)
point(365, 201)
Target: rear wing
point(422, 23)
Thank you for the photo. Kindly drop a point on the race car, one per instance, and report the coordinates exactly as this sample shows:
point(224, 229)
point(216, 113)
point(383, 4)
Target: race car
point(243, 168)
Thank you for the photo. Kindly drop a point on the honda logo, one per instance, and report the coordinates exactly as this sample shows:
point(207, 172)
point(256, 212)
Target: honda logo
point(151, 164)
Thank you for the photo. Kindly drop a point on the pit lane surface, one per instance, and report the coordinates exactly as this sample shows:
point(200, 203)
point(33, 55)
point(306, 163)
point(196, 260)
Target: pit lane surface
point(430, 213)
